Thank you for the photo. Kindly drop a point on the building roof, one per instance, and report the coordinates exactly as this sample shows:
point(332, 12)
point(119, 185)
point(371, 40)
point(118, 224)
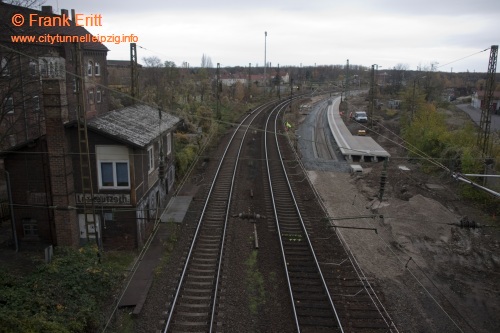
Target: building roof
point(8, 29)
point(480, 94)
point(137, 124)
point(120, 63)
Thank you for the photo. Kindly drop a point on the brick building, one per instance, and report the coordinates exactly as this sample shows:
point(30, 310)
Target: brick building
point(39, 144)
point(23, 64)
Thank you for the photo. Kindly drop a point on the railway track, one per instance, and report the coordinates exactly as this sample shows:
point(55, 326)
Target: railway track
point(324, 149)
point(194, 305)
point(312, 303)
point(327, 292)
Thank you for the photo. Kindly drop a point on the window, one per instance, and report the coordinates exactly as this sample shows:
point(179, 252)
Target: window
point(33, 68)
point(8, 105)
point(98, 96)
point(107, 216)
point(97, 69)
point(114, 174)
point(30, 227)
point(43, 68)
point(90, 68)
point(113, 166)
point(169, 143)
point(51, 69)
point(91, 96)
point(151, 159)
point(75, 85)
point(4, 67)
point(36, 104)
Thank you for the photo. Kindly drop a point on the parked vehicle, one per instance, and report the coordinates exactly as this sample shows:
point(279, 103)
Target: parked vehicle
point(360, 116)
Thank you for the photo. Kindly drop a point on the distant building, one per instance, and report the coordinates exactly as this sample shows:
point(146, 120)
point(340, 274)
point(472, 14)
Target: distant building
point(394, 104)
point(229, 79)
point(119, 75)
point(478, 97)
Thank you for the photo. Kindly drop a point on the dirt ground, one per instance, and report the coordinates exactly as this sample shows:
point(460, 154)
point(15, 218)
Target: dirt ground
point(432, 275)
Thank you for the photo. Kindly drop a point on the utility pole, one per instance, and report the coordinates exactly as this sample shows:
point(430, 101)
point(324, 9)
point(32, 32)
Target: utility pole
point(134, 72)
point(347, 81)
point(372, 95)
point(278, 77)
point(217, 93)
point(265, 59)
point(249, 77)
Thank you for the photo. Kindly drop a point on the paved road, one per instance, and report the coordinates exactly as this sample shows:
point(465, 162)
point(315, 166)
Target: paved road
point(475, 115)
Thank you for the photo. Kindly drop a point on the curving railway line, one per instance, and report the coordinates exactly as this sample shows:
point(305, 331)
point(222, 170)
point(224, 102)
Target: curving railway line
point(311, 300)
point(327, 292)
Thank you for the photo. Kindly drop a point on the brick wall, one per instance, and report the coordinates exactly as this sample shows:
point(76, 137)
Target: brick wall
point(60, 164)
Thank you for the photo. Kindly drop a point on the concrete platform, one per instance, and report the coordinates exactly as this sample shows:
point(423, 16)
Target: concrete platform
point(176, 209)
point(354, 148)
point(136, 293)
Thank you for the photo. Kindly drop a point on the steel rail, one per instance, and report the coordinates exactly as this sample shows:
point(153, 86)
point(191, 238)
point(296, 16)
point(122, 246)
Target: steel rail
point(278, 110)
point(200, 220)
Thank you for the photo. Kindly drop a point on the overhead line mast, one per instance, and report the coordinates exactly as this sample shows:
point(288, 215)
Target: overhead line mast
point(483, 140)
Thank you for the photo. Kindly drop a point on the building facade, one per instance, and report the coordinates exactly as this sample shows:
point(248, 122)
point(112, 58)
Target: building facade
point(23, 64)
point(42, 87)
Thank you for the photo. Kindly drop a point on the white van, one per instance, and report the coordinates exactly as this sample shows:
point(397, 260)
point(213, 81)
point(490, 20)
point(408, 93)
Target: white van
point(360, 116)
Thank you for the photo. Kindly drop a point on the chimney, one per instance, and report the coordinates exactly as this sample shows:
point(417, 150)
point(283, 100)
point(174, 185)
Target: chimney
point(47, 9)
point(73, 15)
point(64, 12)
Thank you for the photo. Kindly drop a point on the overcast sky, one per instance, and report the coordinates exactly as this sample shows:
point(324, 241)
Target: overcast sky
point(323, 32)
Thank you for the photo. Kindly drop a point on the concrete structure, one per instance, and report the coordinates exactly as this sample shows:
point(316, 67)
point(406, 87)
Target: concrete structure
point(478, 97)
point(354, 148)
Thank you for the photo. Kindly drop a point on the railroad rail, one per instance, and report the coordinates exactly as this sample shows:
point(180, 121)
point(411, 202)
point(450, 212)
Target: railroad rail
point(327, 290)
point(194, 305)
point(312, 302)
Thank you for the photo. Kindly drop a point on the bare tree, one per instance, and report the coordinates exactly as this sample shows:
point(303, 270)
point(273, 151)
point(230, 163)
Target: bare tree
point(153, 61)
point(206, 61)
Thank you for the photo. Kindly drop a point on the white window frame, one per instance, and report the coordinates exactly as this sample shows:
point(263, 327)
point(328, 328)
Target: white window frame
point(30, 228)
point(91, 95)
point(33, 67)
point(169, 143)
point(151, 158)
point(90, 68)
point(98, 96)
point(97, 69)
point(36, 103)
point(4, 67)
point(114, 186)
point(9, 105)
point(51, 70)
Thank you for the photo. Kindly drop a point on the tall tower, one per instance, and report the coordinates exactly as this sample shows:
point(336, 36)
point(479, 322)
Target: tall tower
point(483, 139)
